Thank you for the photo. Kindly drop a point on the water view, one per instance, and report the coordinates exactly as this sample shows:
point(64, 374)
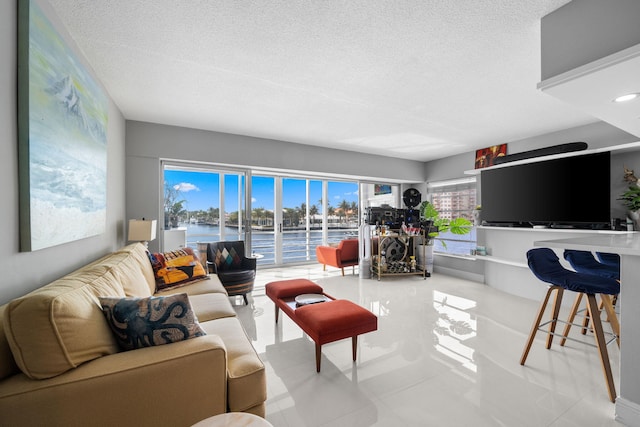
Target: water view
point(297, 245)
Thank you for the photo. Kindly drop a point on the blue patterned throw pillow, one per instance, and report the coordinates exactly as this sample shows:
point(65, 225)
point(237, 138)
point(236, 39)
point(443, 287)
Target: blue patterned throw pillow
point(146, 322)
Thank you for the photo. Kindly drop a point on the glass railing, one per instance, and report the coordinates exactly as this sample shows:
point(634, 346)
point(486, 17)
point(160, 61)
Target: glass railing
point(298, 246)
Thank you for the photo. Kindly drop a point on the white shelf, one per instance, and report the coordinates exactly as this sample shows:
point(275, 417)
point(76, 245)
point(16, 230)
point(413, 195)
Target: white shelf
point(552, 230)
point(490, 258)
point(630, 145)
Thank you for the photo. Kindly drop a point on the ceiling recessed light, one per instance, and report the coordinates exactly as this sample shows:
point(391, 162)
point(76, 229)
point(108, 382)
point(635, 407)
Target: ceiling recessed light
point(627, 97)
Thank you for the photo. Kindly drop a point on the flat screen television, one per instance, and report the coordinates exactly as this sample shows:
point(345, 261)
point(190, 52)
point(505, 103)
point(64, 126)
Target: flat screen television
point(569, 191)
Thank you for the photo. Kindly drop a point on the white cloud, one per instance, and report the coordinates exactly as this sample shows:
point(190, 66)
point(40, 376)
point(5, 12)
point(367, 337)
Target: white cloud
point(186, 187)
point(253, 200)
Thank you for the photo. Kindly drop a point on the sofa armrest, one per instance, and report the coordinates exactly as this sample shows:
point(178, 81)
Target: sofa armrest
point(172, 384)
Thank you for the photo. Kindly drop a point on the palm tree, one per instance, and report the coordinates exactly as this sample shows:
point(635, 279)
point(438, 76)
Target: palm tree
point(233, 218)
point(302, 211)
point(344, 207)
point(354, 210)
point(212, 215)
point(257, 215)
point(331, 211)
point(172, 206)
point(313, 211)
point(288, 213)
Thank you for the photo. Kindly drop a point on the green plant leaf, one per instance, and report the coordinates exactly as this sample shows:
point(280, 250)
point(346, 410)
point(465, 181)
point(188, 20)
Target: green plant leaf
point(455, 225)
point(460, 226)
point(631, 198)
point(429, 212)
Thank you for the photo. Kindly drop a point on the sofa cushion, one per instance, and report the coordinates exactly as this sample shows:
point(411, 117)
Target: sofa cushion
point(42, 327)
point(124, 269)
point(151, 321)
point(176, 268)
point(211, 306)
point(281, 289)
point(139, 257)
point(213, 285)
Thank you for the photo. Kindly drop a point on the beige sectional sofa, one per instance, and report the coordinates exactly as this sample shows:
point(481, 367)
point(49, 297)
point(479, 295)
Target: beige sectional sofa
point(60, 363)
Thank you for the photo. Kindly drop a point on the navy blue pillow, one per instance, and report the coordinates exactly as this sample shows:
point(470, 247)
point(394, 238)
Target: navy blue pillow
point(146, 322)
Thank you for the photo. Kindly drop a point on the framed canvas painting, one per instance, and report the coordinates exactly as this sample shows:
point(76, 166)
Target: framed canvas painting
point(379, 189)
point(486, 157)
point(62, 135)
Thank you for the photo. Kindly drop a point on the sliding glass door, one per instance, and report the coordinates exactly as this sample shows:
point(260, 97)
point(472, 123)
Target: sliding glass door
point(290, 216)
point(300, 232)
point(282, 221)
point(203, 204)
point(263, 219)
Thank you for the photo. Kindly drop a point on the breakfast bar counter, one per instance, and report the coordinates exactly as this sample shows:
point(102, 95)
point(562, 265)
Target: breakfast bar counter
point(627, 245)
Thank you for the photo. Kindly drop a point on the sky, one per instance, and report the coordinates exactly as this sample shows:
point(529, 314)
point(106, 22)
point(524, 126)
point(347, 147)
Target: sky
point(201, 190)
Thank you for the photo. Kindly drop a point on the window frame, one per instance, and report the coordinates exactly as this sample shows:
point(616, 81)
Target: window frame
point(465, 205)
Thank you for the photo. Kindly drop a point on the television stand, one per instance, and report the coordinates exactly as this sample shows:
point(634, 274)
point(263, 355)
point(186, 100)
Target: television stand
point(506, 224)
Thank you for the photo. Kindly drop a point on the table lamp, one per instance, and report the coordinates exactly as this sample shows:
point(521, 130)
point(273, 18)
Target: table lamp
point(142, 230)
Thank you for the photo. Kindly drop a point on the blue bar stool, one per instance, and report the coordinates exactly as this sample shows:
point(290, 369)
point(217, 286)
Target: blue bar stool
point(586, 262)
point(546, 266)
point(609, 259)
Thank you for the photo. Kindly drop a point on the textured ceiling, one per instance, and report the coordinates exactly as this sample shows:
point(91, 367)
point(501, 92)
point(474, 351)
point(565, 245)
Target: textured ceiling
point(415, 79)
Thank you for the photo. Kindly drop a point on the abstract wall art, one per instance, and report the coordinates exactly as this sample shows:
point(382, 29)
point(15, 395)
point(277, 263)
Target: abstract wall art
point(486, 157)
point(62, 136)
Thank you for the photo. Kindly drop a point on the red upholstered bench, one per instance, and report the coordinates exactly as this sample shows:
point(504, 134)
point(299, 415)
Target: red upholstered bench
point(324, 322)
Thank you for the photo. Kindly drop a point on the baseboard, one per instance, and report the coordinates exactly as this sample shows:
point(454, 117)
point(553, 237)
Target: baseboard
point(627, 412)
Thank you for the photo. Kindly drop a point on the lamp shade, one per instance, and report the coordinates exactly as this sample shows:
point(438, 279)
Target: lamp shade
point(142, 230)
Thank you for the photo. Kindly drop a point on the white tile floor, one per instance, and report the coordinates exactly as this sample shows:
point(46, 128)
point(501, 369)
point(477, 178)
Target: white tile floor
point(446, 353)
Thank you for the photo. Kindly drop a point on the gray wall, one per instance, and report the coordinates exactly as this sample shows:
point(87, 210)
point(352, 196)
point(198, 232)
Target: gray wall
point(596, 135)
point(23, 272)
point(147, 143)
point(586, 30)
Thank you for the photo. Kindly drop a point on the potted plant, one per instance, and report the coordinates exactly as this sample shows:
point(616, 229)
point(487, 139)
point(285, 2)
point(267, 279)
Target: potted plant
point(476, 215)
point(442, 225)
point(433, 225)
point(631, 198)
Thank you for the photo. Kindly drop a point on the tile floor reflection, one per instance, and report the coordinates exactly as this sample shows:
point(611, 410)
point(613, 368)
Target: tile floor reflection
point(446, 353)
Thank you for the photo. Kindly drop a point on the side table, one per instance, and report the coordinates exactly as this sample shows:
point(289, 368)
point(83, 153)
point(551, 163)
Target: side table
point(234, 419)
